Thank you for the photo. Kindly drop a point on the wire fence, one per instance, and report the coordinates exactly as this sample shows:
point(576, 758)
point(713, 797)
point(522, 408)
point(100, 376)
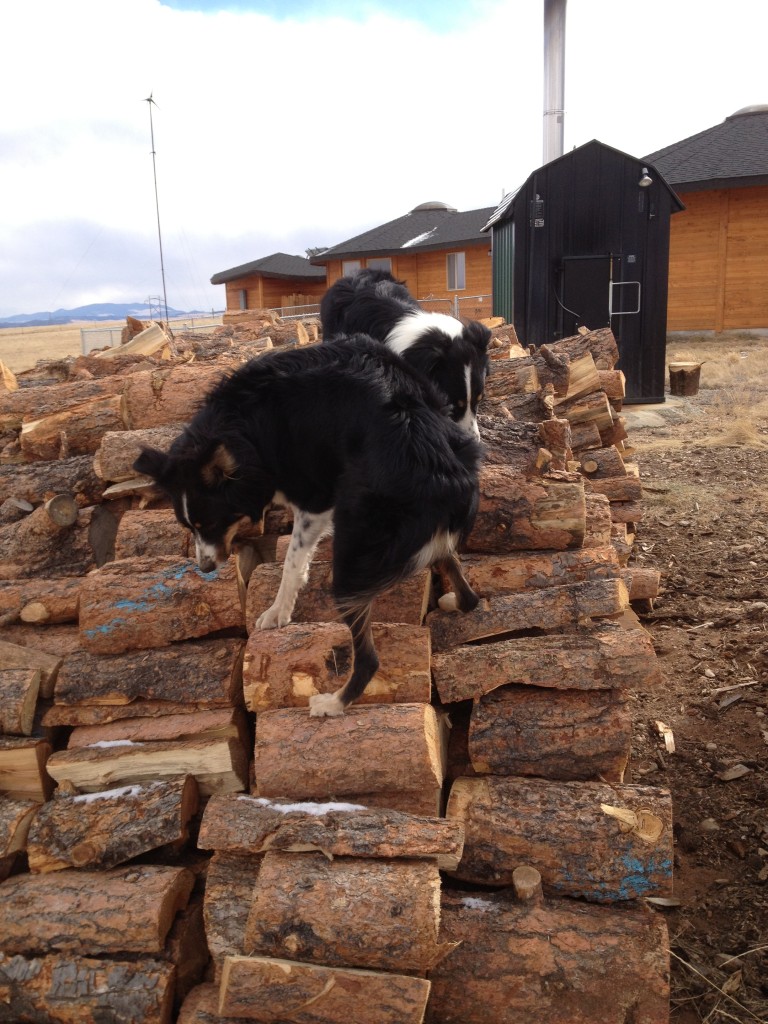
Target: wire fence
point(92, 338)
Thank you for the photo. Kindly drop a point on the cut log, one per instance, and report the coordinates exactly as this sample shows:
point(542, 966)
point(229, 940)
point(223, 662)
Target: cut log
point(155, 339)
point(425, 803)
point(108, 828)
point(152, 532)
point(76, 988)
point(119, 449)
point(266, 989)
point(583, 376)
point(187, 949)
point(37, 545)
point(255, 825)
point(552, 368)
point(617, 488)
point(602, 462)
point(14, 656)
point(229, 889)
point(19, 688)
point(74, 431)
point(642, 584)
point(559, 962)
point(201, 1006)
point(684, 378)
point(612, 435)
point(39, 402)
point(537, 609)
point(522, 571)
point(193, 725)
point(599, 658)
point(606, 843)
point(585, 437)
point(90, 715)
point(592, 408)
point(347, 912)
point(511, 377)
point(598, 529)
point(601, 343)
point(157, 398)
point(405, 602)
point(145, 603)
point(627, 512)
point(379, 748)
point(219, 765)
point(516, 513)
point(285, 667)
point(196, 674)
point(125, 910)
point(515, 445)
point(623, 540)
point(16, 816)
point(614, 384)
point(23, 774)
point(40, 601)
point(529, 408)
point(555, 734)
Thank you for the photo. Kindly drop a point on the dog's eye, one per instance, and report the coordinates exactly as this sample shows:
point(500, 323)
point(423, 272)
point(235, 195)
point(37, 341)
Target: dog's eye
point(480, 397)
point(461, 404)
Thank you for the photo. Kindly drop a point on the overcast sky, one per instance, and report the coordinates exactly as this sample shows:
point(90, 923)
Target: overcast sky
point(285, 124)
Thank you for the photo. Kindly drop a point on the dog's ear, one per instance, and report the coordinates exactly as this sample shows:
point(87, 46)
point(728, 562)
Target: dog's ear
point(152, 462)
point(478, 334)
point(221, 466)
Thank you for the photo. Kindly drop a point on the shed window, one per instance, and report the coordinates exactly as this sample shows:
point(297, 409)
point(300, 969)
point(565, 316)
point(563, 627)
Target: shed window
point(243, 298)
point(456, 273)
point(350, 266)
point(380, 263)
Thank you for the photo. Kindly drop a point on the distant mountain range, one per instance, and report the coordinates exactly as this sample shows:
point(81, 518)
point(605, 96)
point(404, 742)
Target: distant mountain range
point(96, 311)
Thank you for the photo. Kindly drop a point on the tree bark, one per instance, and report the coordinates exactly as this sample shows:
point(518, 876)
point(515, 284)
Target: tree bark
point(511, 377)
point(266, 989)
point(111, 827)
point(257, 825)
point(89, 991)
point(119, 449)
point(597, 533)
point(191, 725)
point(602, 463)
point(537, 609)
point(23, 774)
point(229, 890)
point(283, 668)
point(583, 376)
point(565, 831)
point(558, 962)
point(529, 571)
point(41, 401)
point(516, 513)
point(15, 819)
point(593, 408)
point(40, 600)
point(585, 437)
point(158, 398)
point(380, 748)
point(600, 657)
point(347, 912)
point(36, 481)
point(125, 910)
point(19, 688)
point(145, 603)
point(554, 734)
point(73, 431)
point(617, 488)
point(601, 343)
point(38, 546)
point(642, 584)
point(149, 532)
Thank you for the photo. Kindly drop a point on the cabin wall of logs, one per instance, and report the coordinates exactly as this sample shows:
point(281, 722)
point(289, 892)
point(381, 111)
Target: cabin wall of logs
point(464, 845)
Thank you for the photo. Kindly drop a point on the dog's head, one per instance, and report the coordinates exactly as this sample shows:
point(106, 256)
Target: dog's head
point(454, 356)
point(199, 481)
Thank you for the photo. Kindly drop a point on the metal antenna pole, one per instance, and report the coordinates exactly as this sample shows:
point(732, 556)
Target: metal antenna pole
point(151, 102)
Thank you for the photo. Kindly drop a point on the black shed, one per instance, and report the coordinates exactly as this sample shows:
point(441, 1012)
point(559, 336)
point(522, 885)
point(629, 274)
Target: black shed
point(585, 242)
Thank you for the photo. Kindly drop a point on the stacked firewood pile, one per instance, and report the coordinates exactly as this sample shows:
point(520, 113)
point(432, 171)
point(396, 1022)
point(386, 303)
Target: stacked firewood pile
point(180, 837)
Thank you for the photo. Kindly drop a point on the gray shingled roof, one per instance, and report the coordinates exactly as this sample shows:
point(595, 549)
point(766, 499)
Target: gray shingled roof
point(279, 264)
point(732, 153)
point(426, 228)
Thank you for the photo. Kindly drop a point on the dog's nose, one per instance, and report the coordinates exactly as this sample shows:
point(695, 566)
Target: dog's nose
point(206, 564)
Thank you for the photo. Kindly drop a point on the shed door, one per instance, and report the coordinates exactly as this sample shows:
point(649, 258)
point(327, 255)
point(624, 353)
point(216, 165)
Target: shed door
point(585, 287)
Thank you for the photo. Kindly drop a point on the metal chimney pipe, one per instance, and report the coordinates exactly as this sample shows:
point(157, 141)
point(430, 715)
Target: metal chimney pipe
point(554, 78)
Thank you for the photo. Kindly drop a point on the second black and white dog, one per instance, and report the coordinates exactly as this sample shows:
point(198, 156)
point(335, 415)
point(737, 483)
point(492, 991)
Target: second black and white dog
point(453, 355)
point(357, 443)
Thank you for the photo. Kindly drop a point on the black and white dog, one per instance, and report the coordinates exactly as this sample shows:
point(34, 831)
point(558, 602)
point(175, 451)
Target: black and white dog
point(453, 355)
point(357, 443)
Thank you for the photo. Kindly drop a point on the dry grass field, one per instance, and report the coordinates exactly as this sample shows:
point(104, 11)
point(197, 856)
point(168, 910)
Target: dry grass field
point(22, 347)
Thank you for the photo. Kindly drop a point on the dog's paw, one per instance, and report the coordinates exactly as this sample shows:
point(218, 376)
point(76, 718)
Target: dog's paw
point(272, 618)
point(325, 705)
point(448, 603)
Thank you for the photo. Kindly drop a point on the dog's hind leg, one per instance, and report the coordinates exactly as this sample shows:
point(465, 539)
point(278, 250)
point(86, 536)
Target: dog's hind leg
point(308, 529)
point(366, 663)
point(466, 598)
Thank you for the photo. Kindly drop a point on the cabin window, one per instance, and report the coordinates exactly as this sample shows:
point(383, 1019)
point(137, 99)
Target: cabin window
point(456, 272)
point(350, 267)
point(380, 263)
point(243, 298)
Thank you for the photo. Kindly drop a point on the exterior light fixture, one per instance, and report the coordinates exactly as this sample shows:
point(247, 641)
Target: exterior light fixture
point(645, 179)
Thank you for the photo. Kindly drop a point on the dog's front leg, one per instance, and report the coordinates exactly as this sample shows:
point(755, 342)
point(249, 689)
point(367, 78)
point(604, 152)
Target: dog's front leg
point(308, 529)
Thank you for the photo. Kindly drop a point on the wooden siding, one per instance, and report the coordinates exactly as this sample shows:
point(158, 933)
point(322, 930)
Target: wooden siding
point(718, 273)
point(272, 292)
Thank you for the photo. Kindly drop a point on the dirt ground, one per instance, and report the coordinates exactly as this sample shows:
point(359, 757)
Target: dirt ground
point(704, 469)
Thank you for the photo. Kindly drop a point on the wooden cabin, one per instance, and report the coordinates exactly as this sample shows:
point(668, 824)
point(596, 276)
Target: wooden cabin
point(584, 242)
point(718, 263)
point(272, 282)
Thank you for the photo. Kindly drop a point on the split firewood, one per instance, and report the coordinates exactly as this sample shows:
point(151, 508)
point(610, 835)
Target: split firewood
point(617, 488)
point(627, 512)
point(642, 584)
point(552, 368)
point(405, 602)
point(39, 600)
point(368, 749)
point(102, 830)
point(216, 724)
point(511, 377)
point(424, 803)
point(90, 991)
point(19, 688)
point(46, 538)
point(298, 993)
point(157, 398)
point(125, 910)
point(614, 384)
point(578, 835)
point(517, 445)
point(347, 912)
point(593, 408)
point(187, 949)
point(144, 532)
point(524, 571)
point(599, 658)
point(623, 540)
point(41, 402)
point(284, 668)
point(585, 437)
point(36, 481)
point(201, 1006)
point(14, 656)
point(74, 431)
point(535, 407)
point(536, 609)
point(23, 774)
point(563, 735)
point(55, 641)
point(150, 602)
point(598, 525)
point(502, 945)
point(583, 376)
point(154, 340)
point(600, 343)
point(16, 816)
point(615, 433)
point(219, 765)
point(198, 674)
point(241, 824)
point(229, 889)
point(517, 514)
point(602, 462)
point(118, 450)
